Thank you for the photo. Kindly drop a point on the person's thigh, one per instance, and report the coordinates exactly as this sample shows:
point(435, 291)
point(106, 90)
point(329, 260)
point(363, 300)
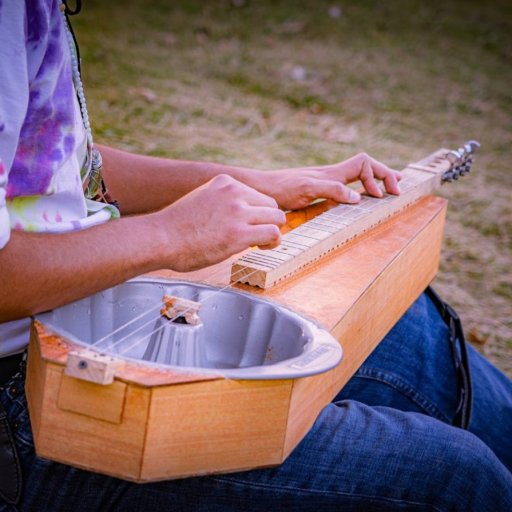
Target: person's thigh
point(413, 370)
point(356, 457)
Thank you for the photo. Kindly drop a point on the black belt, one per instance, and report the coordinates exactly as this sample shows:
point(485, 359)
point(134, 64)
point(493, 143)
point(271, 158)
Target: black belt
point(9, 365)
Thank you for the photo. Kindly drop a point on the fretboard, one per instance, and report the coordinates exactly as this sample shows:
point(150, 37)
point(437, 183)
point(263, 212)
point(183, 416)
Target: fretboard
point(330, 230)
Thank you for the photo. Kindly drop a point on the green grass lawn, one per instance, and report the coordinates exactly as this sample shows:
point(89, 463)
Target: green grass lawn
point(281, 83)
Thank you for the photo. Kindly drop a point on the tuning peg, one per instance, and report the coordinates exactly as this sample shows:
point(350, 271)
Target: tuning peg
point(453, 157)
point(466, 167)
point(448, 176)
point(474, 146)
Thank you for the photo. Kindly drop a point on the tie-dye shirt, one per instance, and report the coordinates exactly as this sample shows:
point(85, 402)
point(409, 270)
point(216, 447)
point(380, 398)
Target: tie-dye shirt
point(42, 138)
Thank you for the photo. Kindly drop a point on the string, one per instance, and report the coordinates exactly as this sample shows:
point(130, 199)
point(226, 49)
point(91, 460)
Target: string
point(158, 306)
point(180, 314)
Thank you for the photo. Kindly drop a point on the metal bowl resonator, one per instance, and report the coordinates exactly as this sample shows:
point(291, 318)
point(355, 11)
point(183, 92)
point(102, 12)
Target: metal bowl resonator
point(242, 336)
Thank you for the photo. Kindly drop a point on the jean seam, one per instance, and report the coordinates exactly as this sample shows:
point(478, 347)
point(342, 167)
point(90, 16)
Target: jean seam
point(256, 485)
point(397, 383)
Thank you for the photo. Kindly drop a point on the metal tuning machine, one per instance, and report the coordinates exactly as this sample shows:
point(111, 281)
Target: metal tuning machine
point(460, 161)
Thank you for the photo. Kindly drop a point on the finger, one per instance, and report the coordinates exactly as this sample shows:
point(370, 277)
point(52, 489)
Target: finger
point(255, 198)
point(389, 176)
point(334, 190)
point(368, 180)
point(265, 215)
point(265, 236)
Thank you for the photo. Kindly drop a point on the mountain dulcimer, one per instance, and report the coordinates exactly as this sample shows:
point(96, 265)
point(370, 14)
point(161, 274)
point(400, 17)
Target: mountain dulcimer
point(328, 231)
point(125, 413)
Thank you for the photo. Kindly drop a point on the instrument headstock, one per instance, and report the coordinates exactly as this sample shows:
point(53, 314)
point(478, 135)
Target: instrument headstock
point(450, 164)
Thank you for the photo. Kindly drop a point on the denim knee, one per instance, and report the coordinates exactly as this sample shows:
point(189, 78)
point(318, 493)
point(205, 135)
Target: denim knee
point(472, 476)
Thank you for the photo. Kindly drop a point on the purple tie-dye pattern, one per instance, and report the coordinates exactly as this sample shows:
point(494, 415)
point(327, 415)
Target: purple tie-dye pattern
point(41, 188)
point(69, 144)
point(46, 138)
point(37, 20)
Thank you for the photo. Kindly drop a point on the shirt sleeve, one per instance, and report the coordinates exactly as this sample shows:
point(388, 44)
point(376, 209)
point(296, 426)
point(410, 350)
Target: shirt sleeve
point(14, 95)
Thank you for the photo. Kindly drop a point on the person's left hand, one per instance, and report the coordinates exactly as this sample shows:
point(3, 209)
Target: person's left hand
point(296, 188)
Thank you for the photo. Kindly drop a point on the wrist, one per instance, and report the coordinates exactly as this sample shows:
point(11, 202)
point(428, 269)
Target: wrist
point(163, 240)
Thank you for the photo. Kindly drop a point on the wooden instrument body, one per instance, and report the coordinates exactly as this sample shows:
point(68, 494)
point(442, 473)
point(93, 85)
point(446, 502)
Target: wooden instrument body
point(150, 425)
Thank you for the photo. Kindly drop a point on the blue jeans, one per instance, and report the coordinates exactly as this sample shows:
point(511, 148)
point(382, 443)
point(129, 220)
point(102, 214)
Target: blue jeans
point(385, 443)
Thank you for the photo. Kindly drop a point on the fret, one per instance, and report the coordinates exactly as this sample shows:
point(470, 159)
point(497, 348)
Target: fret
point(285, 248)
point(305, 241)
point(335, 219)
point(318, 224)
point(309, 232)
point(288, 242)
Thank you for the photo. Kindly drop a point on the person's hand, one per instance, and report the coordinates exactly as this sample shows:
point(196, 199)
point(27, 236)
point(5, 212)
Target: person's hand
point(217, 220)
point(296, 188)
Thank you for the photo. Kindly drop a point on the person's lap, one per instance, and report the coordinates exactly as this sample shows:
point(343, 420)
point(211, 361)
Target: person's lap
point(384, 443)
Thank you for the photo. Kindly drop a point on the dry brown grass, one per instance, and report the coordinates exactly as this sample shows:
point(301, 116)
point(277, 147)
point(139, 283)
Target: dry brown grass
point(280, 83)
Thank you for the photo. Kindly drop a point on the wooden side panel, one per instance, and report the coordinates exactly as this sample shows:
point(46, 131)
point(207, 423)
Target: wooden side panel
point(369, 319)
point(114, 449)
point(79, 396)
point(216, 427)
point(34, 383)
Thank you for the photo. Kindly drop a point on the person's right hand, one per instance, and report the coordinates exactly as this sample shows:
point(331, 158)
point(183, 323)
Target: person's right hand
point(215, 221)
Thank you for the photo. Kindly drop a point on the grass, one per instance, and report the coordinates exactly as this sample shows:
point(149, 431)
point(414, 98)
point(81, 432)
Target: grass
point(278, 83)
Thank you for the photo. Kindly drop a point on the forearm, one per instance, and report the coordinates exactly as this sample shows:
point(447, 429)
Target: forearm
point(144, 183)
point(43, 271)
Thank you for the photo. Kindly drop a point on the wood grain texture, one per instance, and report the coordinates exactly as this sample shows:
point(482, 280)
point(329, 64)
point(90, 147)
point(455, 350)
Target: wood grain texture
point(196, 425)
point(81, 397)
point(214, 427)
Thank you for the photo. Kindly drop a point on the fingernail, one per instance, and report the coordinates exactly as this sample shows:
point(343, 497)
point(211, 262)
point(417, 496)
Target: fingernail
point(354, 196)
